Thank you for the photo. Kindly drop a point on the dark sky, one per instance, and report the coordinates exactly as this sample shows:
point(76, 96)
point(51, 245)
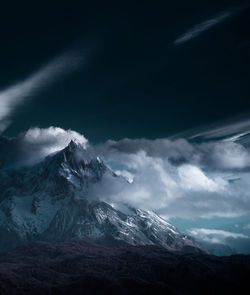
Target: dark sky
point(135, 82)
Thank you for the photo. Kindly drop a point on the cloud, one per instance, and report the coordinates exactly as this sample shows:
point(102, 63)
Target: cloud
point(17, 94)
point(34, 145)
point(170, 190)
point(50, 140)
point(174, 149)
point(182, 178)
point(230, 155)
point(194, 179)
point(215, 236)
point(230, 131)
point(200, 28)
point(207, 25)
point(172, 177)
point(220, 242)
point(216, 155)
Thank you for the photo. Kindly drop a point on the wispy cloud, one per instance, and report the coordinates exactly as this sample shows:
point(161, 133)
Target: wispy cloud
point(215, 236)
point(221, 242)
point(202, 27)
point(14, 95)
point(232, 131)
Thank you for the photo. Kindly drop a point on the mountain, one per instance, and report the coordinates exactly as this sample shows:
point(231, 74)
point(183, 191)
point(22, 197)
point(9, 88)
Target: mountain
point(82, 267)
point(54, 200)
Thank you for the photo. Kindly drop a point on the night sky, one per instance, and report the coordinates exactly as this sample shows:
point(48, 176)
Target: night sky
point(158, 89)
point(135, 78)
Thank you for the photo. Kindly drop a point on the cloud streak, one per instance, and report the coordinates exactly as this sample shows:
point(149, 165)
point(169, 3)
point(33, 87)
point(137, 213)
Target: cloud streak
point(231, 131)
point(215, 236)
point(202, 27)
point(17, 94)
point(220, 242)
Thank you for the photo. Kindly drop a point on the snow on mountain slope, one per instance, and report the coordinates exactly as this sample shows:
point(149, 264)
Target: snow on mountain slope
point(50, 201)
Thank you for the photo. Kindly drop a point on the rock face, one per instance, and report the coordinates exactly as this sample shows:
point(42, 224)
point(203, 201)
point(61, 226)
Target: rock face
point(80, 267)
point(51, 201)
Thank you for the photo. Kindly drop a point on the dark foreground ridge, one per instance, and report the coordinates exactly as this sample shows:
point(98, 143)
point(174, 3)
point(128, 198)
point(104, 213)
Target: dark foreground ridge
point(81, 267)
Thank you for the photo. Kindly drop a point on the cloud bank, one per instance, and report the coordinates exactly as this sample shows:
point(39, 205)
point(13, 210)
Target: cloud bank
point(172, 177)
point(17, 94)
point(180, 189)
point(178, 177)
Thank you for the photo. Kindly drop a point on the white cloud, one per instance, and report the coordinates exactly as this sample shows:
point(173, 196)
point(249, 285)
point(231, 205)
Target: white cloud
point(194, 179)
point(171, 190)
point(217, 155)
point(230, 155)
point(52, 139)
point(176, 151)
point(14, 95)
point(179, 178)
point(233, 130)
point(34, 145)
point(202, 27)
point(152, 185)
point(126, 174)
point(215, 236)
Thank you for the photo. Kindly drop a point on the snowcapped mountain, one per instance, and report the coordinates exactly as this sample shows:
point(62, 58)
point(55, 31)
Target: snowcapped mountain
point(51, 201)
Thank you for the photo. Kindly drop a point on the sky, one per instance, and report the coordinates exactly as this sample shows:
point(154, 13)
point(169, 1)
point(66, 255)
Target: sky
point(159, 89)
point(131, 69)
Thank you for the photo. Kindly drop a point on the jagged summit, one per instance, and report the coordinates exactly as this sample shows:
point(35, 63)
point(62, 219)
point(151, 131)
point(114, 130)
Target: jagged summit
point(75, 144)
point(79, 152)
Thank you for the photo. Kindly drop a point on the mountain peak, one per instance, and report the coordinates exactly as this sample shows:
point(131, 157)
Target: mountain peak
point(75, 144)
